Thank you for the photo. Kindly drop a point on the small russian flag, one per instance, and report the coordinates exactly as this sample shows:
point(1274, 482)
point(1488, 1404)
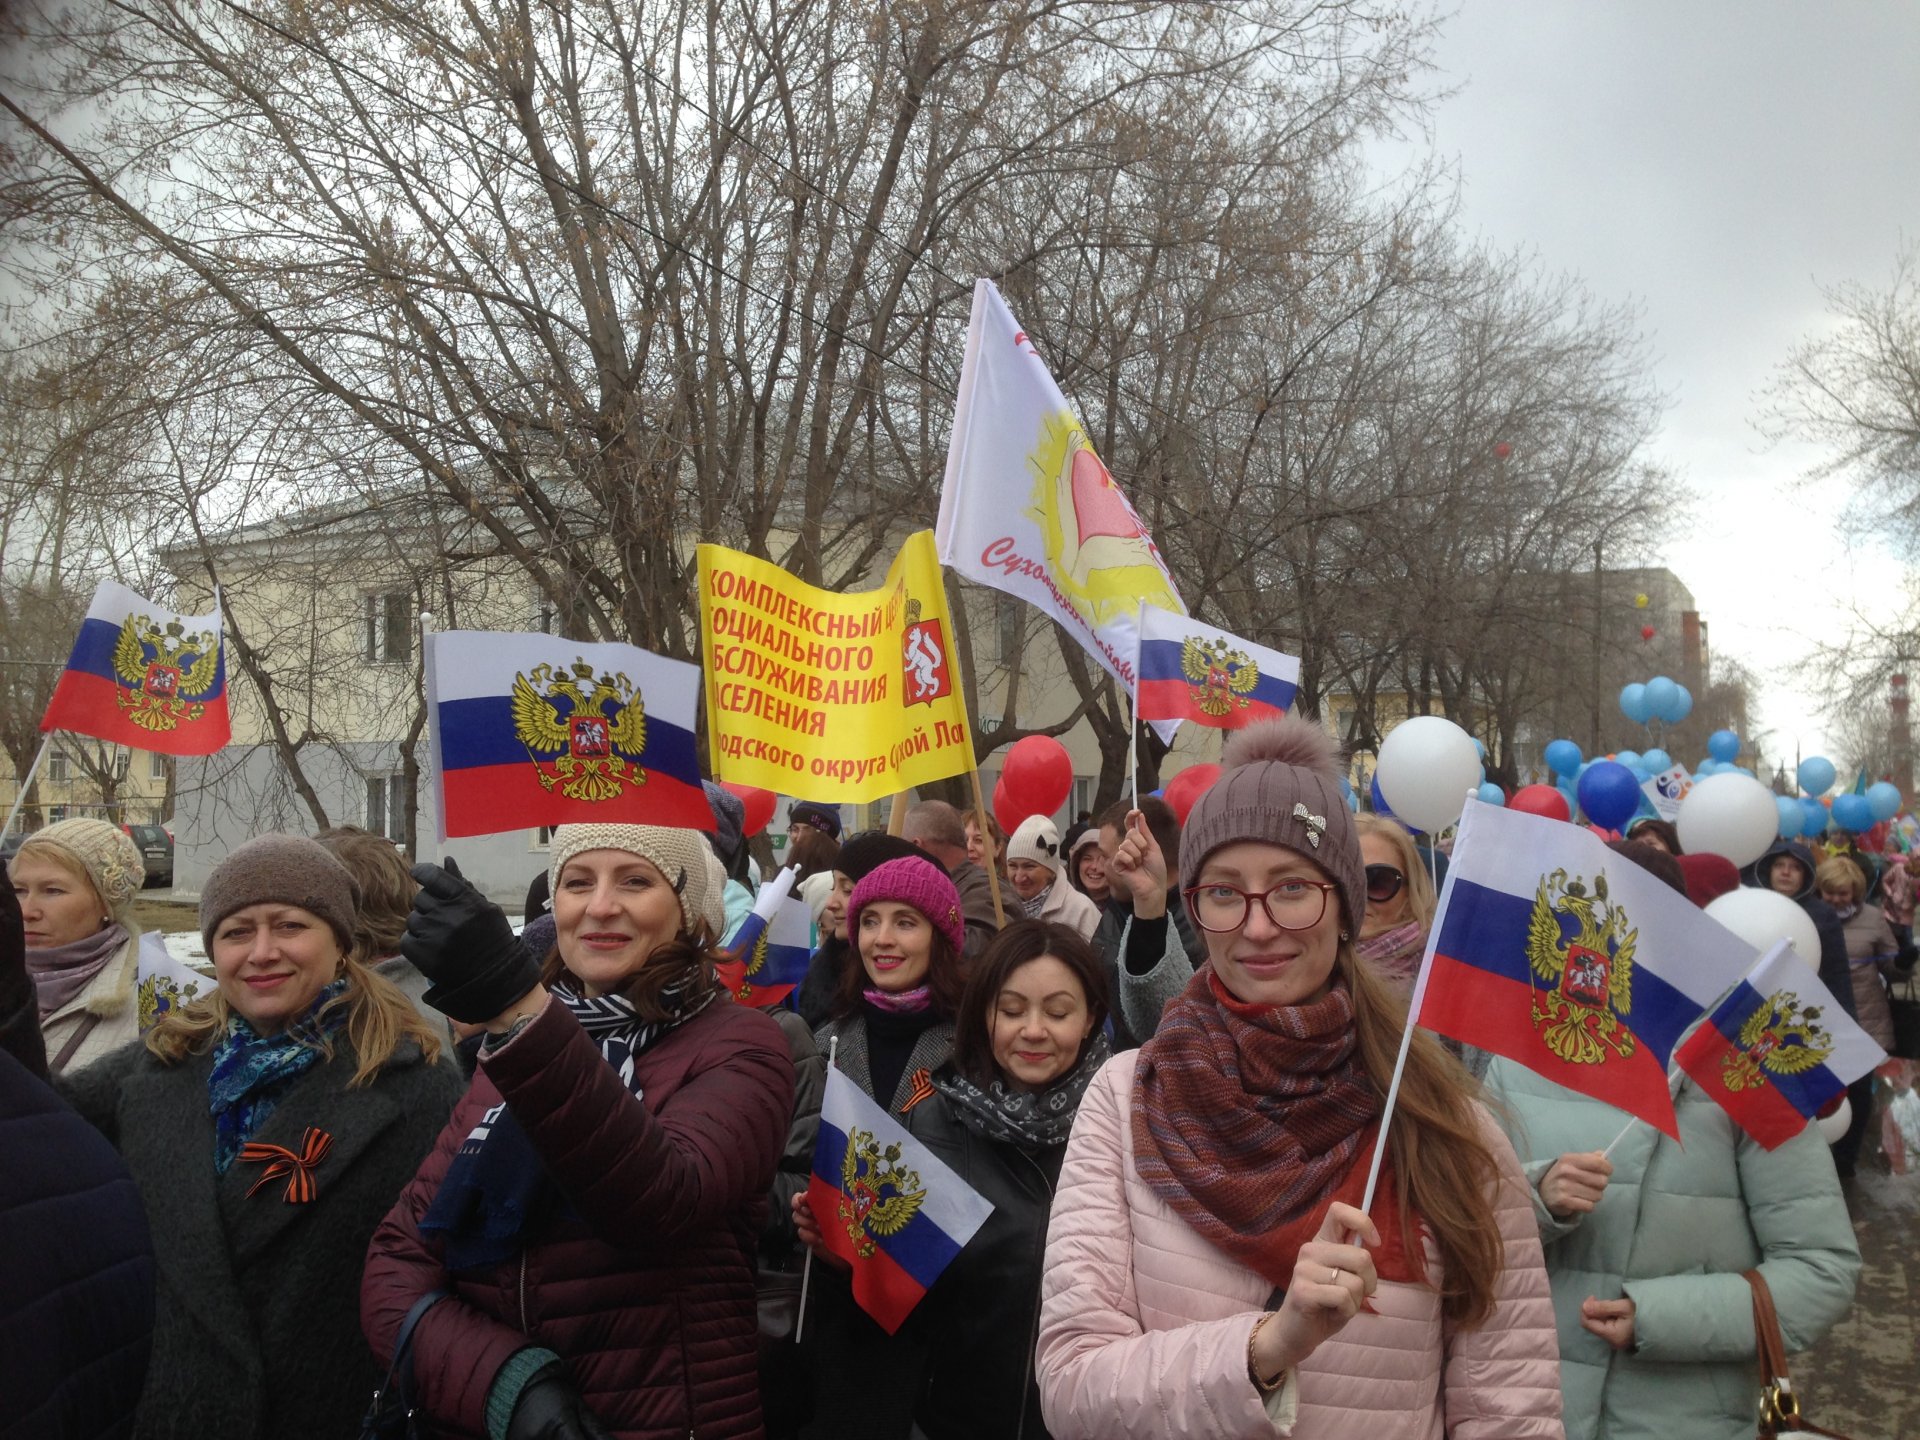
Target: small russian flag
point(885, 1203)
point(144, 676)
point(1190, 671)
point(1777, 1049)
point(774, 946)
point(531, 729)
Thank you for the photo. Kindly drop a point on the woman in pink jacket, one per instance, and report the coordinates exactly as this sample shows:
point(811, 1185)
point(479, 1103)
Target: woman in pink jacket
point(1209, 1272)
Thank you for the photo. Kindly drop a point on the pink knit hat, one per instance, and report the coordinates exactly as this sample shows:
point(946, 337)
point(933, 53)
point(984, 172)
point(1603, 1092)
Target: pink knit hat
point(914, 882)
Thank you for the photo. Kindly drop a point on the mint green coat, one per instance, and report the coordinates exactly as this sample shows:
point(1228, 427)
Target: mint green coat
point(1673, 1233)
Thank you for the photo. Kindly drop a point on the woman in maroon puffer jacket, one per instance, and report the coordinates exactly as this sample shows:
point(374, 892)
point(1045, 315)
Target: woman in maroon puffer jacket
point(594, 1205)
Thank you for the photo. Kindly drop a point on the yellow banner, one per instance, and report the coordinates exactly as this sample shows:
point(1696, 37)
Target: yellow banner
point(837, 697)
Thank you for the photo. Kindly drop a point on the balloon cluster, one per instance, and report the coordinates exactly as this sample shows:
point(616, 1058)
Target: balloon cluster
point(1656, 699)
point(1855, 812)
point(1036, 780)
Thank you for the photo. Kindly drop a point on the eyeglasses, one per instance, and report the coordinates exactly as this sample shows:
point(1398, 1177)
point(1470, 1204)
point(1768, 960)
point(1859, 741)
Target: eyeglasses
point(1383, 883)
point(1291, 905)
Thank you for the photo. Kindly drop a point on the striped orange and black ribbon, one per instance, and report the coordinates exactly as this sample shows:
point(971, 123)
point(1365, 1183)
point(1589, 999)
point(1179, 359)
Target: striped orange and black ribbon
point(298, 1169)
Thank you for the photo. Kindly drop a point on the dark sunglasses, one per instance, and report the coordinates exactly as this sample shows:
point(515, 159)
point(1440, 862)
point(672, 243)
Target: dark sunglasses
point(1383, 883)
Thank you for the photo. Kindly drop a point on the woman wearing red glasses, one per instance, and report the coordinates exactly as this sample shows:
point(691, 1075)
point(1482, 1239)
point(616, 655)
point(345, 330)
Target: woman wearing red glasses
point(1208, 1270)
point(1393, 933)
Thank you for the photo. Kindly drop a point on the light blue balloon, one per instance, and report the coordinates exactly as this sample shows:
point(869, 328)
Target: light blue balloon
point(1813, 817)
point(1681, 707)
point(1662, 695)
point(1816, 775)
point(1563, 757)
point(1633, 704)
point(1628, 758)
point(1706, 767)
point(1853, 812)
point(1884, 797)
point(1353, 802)
point(1480, 747)
point(1724, 745)
point(1492, 794)
point(1658, 761)
point(1790, 815)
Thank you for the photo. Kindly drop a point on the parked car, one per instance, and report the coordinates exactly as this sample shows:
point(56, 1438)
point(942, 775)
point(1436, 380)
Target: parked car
point(156, 849)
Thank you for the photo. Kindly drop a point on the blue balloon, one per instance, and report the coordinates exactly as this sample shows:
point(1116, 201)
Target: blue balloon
point(1609, 794)
point(1790, 815)
point(1816, 775)
point(1492, 794)
point(1353, 802)
point(1662, 695)
point(1853, 812)
point(1706, 767)
point(1658, 761)
point(1480, 747)
point(1724, 745)
point(1633, 704)
point(1884, 797)
point(1681, 707)
point(1628, 758)
point(1563, 757)
point(1813, 817)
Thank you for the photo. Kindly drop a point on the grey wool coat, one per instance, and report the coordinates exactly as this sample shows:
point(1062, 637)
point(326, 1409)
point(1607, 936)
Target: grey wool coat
point(257, 1330)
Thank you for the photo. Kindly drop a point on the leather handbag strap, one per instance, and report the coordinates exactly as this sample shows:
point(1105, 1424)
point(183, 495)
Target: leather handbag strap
point(1779, 1401)
point(74, 1042)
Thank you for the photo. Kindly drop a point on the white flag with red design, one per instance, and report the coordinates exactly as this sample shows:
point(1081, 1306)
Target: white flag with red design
point(1028, 508)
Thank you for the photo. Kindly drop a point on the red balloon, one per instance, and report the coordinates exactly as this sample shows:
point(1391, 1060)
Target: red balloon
point(760, 805)
point(1502, 450)
point(1187, 787)
point(1541, 800)
point(1038, 776)
point(1004, 810)
point(1646, 632)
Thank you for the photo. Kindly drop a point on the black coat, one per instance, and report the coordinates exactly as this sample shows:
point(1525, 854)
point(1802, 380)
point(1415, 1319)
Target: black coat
point(76, 1272)
point(258, 1325)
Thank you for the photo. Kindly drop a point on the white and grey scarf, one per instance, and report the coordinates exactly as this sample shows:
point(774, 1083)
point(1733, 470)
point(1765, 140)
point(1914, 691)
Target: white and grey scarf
point(1032, 1121)
point(612, 1023)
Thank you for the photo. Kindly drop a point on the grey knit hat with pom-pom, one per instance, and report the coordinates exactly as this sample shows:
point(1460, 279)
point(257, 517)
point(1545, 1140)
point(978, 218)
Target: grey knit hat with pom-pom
point(1280, 784)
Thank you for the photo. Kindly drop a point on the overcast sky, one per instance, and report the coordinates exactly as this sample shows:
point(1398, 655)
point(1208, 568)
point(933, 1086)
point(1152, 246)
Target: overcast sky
point(1718, 164)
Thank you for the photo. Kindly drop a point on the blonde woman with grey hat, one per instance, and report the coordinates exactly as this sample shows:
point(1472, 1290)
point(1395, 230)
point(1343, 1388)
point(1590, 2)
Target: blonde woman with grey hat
point(268, 1126)
point(1034, 863)
point(593, 1206)
point(76, 881)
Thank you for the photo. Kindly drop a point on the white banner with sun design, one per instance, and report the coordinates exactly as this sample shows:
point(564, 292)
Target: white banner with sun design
point(1028, 508)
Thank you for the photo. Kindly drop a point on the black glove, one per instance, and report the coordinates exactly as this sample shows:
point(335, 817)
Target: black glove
point(549, 1408)
point(461, 941)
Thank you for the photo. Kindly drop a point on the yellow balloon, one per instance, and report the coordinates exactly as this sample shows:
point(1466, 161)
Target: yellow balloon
point(1640, 602)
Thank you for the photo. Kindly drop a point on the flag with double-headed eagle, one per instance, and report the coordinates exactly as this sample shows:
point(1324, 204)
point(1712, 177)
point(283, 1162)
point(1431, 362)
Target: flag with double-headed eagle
point(1558, 953)
point(885, 1204)
point(773, 946)
point(1190, 671)
point(1777, 1049)
point(531, 729)
point(144, 676)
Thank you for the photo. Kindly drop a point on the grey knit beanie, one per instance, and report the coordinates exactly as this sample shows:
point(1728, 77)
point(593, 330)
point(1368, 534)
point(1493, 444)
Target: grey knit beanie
point(281, 870)
point(1280, 784)
point(679, 855)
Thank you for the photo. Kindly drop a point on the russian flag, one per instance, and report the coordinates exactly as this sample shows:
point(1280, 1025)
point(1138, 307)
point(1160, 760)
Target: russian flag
point(885, 1204)
point(773, 946)
point(1777, 1049)
point(1552, 950)
point(144, 676)
point(531, 729)
point(1190, 671)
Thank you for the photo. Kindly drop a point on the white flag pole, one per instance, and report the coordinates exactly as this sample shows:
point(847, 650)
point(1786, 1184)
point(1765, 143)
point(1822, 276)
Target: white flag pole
point(26, 783)
point(1133, 709)
point(806, 1270)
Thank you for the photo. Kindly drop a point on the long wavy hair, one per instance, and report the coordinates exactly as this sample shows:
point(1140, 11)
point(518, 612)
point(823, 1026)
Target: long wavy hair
point(690, 956)
point(379, 1017)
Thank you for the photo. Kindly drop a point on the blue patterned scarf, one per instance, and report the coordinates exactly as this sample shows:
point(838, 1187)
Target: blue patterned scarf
point(252, 1071)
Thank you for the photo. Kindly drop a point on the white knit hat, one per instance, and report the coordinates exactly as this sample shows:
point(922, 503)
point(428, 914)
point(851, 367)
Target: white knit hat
point(682, 856)
point(1036, 840)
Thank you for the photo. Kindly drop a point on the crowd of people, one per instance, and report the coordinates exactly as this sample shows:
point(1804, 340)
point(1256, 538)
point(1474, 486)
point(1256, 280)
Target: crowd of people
point(552, 1184)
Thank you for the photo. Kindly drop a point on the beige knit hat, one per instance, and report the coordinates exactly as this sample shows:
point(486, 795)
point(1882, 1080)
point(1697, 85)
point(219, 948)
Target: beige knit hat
point(1036, 839)
point(103, 852)
point(682, 856)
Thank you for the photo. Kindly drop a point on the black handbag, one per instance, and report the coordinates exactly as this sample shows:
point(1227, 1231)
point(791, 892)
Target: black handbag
point(390, 1416)
point(1906, 1018)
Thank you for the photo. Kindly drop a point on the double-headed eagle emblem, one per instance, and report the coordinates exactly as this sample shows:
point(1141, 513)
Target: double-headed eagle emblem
point(1583, 978)
point(166, 674)
point(1781, 1038)
point(1219, 677)
point(584, 735)
point(878, 1196)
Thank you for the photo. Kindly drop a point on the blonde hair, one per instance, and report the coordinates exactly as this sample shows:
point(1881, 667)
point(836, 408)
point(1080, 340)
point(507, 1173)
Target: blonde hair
point(1838, 870)
point(1443, 1166)
point(379, 1017)
point(35, 847)
point(1420, 901)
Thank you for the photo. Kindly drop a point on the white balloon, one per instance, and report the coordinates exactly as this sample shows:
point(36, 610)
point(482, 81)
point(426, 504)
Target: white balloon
point(1764, 917)
point(1731, 815)
point(1834, 1126)
point(1427, 765)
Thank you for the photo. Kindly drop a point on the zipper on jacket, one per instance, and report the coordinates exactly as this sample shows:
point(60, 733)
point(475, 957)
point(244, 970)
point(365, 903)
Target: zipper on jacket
point(1033, 1323)
point(686, 1360)
point(525, 1328)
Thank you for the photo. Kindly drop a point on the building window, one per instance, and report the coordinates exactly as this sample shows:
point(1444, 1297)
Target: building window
point(156, 766)
point(390, 627)
point(1083, 787)
point(1011, 616)
point(56, 813)
point(122, 764)
point(59, 768)
point(386, 805)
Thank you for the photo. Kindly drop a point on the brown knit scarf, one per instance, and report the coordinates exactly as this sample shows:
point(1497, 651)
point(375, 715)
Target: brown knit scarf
point(1251, 1120)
